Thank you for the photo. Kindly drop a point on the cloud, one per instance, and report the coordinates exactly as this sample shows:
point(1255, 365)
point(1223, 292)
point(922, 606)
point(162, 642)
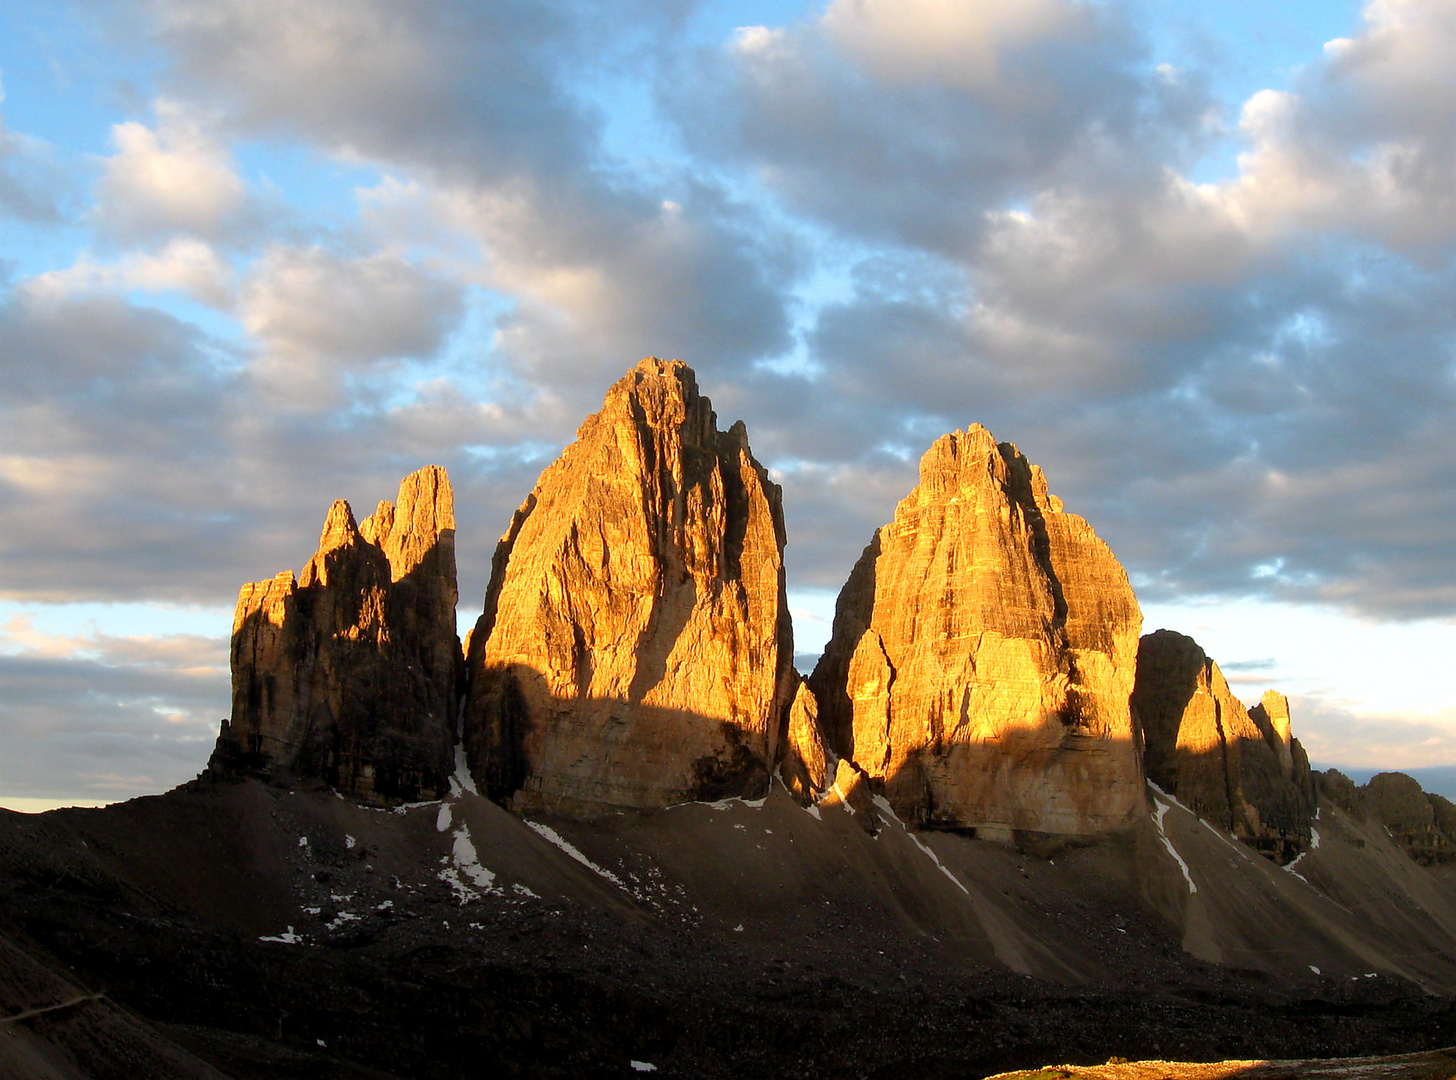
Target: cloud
point(188, 265)
point(316, 314)
point(174, 178)
point(97, 716)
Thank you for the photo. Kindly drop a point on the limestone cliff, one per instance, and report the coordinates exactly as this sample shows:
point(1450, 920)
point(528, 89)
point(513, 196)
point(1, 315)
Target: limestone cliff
point(350, 674)
point(635, 648)
point(982, 655)
point(1239, 767)
point(1421, 823)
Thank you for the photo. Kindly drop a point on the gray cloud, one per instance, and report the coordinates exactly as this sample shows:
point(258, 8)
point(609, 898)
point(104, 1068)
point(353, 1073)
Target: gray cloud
point(110, 718)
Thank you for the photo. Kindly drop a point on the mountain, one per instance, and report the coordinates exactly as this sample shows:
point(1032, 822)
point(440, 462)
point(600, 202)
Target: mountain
point(1237, 766)
point(350, 673)
point(635, 649)
point(619, 833)
point(982, 656)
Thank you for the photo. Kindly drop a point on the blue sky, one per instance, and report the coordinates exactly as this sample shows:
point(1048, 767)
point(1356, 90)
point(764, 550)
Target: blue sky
point(1195, 259)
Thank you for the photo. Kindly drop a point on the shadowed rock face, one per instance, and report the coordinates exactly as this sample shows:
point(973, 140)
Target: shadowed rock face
point(351, 673)
point(635, 648)
point(983, 653)
point(1236, 766)
point(1421, 822)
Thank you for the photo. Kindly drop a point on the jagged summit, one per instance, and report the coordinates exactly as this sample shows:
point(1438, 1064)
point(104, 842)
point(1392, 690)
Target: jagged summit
point(635, 648)
point(1239, 767)
point(350, 673)
point(983, 652)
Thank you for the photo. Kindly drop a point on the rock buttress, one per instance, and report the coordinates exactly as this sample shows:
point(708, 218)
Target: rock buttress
point(983, 654)
point(1238, 767)
point(350, 674)
point(635, 649)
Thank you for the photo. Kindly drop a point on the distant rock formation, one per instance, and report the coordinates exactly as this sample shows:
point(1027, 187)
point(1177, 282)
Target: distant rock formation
point(1238, 767)
point(983, 653)
point(351, 673)
point(1422, 823)
point(635, 649)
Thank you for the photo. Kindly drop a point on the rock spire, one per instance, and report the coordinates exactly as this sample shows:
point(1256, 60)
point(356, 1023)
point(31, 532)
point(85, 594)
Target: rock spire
point(982, 655)
point(635, 649)
point(350, 674)
point(1238, 767)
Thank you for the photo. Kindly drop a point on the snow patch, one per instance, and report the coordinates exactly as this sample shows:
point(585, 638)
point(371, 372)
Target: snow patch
point(882, 804)
point(524, 891)
point(349, 841)
point(546, 832)
point(303, 841)
point(1158, 815)
point(1314, 842)
point(344, 917)
point(461, 780)
point(468, 862)
point(813, 810)
point(288, 937)
point(643, 1066)
point(442, 819)
point(1314, 969)
point(402, 808)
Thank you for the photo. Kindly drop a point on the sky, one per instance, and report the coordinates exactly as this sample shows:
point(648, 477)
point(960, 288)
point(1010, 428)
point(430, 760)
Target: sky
point(1195, 259)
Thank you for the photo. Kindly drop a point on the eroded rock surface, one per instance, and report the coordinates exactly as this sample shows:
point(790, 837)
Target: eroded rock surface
point(1421, 822)
point(635, 648)
point(983, 654)
point(1239, 767)
point(350, 673)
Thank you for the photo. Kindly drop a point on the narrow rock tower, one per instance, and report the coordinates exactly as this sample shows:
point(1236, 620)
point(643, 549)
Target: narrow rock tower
point(635, 649)
point(983, 653)
point(351, 673)
point(1239, 767)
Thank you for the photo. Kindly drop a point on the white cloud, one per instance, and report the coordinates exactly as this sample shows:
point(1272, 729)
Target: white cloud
point(185, 264)
point(172, 178)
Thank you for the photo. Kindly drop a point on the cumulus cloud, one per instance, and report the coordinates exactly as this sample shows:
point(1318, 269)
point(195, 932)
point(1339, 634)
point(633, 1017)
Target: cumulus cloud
point(185, 264)
point(316, 314)
point(174, 178)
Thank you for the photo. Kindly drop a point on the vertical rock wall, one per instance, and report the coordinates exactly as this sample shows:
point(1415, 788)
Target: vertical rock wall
point(983, 653)
point(350, 674)
point(1241, 768)
point(635, 648)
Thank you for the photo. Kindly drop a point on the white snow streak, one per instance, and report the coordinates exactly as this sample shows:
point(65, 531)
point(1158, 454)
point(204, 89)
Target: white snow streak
point(1158, 815)
point(442, 819)
point(287, 938)
point(548, 833)
point(883, 805)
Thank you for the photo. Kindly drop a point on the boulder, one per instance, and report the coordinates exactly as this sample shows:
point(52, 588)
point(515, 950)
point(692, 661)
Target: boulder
point(635, 649)
point(983, 653)
point(1238, 767)
point(350, 674)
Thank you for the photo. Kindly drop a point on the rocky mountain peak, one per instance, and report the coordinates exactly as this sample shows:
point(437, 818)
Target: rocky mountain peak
point(350, 673)
point(635, 648)
point(983, 652)
point(1239, 767)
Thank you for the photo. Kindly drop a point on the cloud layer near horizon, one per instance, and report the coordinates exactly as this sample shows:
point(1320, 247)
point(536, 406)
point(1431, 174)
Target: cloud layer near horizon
point(325, 244)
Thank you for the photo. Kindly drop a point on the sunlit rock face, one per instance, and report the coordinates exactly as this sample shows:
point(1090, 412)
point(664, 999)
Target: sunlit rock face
point(983, 653)
point(351, 673)
point(1239, 767)
point(635, 649)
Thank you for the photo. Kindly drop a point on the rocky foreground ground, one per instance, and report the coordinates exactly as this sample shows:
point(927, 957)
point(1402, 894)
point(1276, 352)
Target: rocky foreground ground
point(244, 930)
